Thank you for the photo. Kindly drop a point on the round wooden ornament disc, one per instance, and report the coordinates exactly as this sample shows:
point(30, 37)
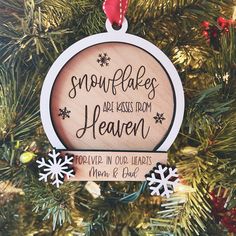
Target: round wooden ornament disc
point(112, 91)
point(112, 96)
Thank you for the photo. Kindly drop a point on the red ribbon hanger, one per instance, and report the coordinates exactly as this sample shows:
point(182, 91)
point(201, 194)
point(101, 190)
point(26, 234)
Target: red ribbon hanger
point(115, 10)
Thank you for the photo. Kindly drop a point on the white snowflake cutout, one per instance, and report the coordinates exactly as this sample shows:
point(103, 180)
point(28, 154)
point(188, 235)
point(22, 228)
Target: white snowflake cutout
point(56, 167)
point(162, 180)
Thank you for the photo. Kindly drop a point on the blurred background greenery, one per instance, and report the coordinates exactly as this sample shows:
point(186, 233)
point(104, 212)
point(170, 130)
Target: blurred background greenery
point(199, 38)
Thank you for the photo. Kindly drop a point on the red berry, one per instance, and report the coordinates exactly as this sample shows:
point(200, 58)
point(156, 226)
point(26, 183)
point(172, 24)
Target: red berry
point(221, 20)
point(226, 30)
point(205, 33)
point(205, 24)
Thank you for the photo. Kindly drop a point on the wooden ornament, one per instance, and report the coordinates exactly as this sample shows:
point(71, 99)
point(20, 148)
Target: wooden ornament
point(112, 92)
point(107, 97)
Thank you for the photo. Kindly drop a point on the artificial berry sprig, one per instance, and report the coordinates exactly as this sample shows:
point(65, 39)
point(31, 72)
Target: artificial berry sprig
point(213, 32)
point(224, 216)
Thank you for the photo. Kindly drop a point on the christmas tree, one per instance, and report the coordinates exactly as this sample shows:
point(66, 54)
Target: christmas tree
point(199, 38)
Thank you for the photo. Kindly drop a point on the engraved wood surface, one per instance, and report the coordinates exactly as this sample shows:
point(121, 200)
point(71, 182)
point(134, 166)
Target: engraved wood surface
point(112, 96)
point(114, 166)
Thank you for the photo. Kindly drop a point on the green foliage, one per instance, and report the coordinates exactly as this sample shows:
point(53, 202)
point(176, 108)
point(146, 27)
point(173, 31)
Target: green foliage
point(10, 167)
point(19, 103)
point(224, 69)
point(31, 37)
point(54, 204)
point(205, 111)
point(208, 163)
point(34, 32)
point(153, 20)
point(19, 120)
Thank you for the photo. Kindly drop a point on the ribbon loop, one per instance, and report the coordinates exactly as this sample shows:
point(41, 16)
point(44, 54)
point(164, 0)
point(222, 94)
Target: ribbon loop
point(115, 10)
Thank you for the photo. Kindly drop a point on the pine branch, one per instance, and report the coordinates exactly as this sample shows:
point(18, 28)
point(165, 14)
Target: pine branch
point(10, 8)
point(179, 8)
point(54, 204)
point(35, 32)
point(186, 214)
point(19, 104)
point(19, 120)
point(224, 67)
point(206, 110)
point(175, 26)
point(205, 168)
point(208, 163)
point(89, 18)
point(30, 37)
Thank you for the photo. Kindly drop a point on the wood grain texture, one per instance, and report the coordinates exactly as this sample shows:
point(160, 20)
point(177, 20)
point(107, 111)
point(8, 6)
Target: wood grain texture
point(114, 166)
point(85, 63)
